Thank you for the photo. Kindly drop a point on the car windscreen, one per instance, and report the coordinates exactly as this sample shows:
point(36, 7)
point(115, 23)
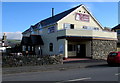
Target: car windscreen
point(113, 54)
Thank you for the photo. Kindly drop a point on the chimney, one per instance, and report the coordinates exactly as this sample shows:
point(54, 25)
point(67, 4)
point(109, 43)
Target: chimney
point(4, 37)
point(52, 12)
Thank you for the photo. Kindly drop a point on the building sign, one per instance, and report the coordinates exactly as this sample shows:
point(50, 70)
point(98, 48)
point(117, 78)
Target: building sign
point(51, 29)
point(82, 17)
point(61, 49)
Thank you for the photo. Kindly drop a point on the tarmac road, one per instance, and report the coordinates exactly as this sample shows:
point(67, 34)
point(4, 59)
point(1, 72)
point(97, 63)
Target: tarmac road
point(93, 73)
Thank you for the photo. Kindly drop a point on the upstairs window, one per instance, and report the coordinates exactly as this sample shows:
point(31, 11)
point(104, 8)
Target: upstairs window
point(68, 26)
point(90, 28)
point(71, 26)
point(51, 29)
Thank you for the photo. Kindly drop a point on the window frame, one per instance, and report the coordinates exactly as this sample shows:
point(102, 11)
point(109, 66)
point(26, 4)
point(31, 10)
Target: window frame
point(68, 26)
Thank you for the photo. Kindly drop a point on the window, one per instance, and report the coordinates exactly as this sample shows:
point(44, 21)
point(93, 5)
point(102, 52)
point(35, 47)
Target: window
point(51, 29)
point(90, 28)
point(71, 47)
point(51, 47)
point(96, 28)
point(71, 26)
point(68, 26)
point(32, 48)
point(23, 48)
point(28, 48)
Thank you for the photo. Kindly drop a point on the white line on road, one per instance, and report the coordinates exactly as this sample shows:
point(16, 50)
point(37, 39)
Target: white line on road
point(117, 74)
point(80, 79)
point(75, 80)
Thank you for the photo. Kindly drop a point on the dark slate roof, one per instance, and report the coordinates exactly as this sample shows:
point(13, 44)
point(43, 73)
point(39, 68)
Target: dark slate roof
point(53, 19)
point(116, 27)
point(32, 40)
point(57, 17)
point(28, 30)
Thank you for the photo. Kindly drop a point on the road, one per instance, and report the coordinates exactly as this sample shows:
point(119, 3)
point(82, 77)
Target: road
point(102, 73)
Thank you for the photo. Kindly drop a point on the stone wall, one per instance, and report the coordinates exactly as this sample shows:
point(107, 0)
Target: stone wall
point(101, 48)
point(30, 60)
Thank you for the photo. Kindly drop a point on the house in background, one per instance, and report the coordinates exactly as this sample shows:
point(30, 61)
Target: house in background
point(4, 44)
point(117, 29)
point(73, 33)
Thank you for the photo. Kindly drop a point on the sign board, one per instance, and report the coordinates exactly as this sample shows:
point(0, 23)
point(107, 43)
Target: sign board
point(82, 17)
point(61, 49)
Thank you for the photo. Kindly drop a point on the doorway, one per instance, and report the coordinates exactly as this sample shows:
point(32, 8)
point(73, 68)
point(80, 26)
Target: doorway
point(81, 51)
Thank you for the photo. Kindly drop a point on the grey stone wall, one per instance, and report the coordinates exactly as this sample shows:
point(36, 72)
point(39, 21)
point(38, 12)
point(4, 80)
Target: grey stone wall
point(101, 48)
point(31, 60)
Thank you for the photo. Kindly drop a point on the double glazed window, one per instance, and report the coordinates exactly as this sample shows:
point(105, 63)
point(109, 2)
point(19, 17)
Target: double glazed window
point(68, 26)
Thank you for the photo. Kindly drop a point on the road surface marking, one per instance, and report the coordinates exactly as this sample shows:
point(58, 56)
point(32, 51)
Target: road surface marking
point(80, 79)
point(117, 74)
point(75, 80)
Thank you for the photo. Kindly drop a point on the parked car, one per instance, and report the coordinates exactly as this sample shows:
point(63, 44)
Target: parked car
point(113, 58)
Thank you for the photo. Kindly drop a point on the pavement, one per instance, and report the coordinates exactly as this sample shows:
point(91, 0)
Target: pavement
point(67, 64)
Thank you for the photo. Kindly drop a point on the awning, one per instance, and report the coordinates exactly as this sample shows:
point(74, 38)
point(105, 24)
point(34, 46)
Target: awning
point(36, 40)
point(32, 40)
point(26, 41)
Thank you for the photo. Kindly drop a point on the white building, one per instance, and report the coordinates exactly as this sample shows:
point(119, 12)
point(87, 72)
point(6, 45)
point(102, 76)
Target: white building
point(73, 33)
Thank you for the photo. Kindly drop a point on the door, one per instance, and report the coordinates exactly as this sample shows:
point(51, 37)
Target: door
point(81, 50)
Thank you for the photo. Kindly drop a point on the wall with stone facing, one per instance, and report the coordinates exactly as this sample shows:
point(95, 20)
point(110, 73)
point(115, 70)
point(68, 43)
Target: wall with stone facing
point(101, 48)
point(30, 60)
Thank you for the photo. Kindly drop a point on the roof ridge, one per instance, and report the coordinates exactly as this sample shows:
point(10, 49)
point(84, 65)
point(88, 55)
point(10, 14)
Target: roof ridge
point(57, 17)
point(62, 12)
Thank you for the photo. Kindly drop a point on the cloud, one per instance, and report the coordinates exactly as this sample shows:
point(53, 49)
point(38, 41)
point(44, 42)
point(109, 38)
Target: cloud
point(12, 35)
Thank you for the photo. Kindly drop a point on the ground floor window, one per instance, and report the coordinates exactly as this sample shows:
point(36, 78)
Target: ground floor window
point(71, 47)
point(51, 47)
point(23, 48)
point(32, 48)
point(29, 48)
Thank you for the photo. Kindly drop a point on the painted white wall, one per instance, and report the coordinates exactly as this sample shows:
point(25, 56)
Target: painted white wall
point(70, 18)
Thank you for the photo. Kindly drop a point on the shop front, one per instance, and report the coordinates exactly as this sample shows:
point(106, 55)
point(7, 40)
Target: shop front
point(78, 50)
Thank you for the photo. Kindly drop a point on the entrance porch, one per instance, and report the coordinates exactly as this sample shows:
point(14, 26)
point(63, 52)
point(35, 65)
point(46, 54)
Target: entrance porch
point(76, 47)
